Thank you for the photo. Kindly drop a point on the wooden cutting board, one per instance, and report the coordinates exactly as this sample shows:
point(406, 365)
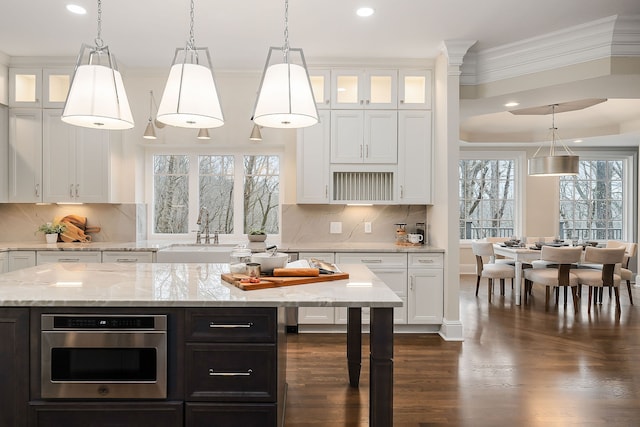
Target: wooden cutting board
point(276, 282)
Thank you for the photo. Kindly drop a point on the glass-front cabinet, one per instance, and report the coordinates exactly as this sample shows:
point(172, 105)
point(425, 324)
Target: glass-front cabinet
point(364, 89)
point(39, 88)
point(321, 86)
point(414, 87)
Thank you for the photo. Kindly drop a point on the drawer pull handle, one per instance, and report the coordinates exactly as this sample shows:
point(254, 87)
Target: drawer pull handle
point(213, 373)
point(69, 260)
point(425, 261)
point(371, 261)
point(126, 259)
point(228, 325)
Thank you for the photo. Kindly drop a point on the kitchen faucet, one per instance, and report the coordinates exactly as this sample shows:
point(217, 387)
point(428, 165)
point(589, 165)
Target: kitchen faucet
point(207, 240)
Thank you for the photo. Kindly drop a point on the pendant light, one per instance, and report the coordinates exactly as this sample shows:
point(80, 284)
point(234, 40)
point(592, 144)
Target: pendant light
point(554, 164)
point(256, 135)
point(97, 98)
point(203, 133)
point(150, 131)
point(285, 98)
point(190, 97)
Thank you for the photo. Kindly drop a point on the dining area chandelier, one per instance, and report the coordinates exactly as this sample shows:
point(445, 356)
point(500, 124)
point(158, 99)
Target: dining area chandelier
point(554, 164)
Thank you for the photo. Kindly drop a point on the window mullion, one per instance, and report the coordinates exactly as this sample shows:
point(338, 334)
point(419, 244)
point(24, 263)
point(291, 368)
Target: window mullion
point(238, 188)
point(194, 192)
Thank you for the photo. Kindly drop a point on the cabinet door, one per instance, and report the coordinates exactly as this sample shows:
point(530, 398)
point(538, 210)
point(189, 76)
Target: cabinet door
point(25, 87)
point(127, 257)
point(44, 257)
point(346, 89)
point(4, 154)
point(25, 155)
point(425, 298)
point(381, 137)
point(4, 262)
point(321, 86)
point(55, 86)
point(21, 259)
point(313, 151)
point(14, 366)
point(59, 158)
point(92, 166)
point(415, 157)
point(380, 89)
point(347, 144)
point(414, 89)
point(229, 414)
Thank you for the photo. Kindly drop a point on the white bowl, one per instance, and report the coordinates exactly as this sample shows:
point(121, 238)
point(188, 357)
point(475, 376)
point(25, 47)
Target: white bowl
point(268, 262)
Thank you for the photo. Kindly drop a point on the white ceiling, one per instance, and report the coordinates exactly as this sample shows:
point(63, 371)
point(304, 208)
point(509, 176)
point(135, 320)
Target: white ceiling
point(145, 33)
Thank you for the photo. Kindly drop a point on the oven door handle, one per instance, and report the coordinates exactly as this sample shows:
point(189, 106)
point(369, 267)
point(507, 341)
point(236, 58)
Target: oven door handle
point(213, 373)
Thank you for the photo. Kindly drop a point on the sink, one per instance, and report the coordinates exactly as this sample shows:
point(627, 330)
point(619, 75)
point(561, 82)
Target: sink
point(192, 252)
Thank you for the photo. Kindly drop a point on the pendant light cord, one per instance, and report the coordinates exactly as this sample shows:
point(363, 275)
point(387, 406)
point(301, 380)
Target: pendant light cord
point(99, 42)
point(285, 48)
point(554, 136)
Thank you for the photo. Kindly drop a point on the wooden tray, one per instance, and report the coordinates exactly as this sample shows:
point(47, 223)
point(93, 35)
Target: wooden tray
point(275, 282)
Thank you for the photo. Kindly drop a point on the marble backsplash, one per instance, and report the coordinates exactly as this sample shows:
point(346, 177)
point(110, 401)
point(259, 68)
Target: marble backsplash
point(118, 222)
point(300, 223)
point(310, 223)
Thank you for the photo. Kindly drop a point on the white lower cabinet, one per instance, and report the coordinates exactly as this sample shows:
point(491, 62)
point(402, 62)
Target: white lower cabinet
point(425, 294)
point(45, 257)
point(21, 259)
point(4, 262)
point(391, 268)
point(317, 315)
point(127, 256)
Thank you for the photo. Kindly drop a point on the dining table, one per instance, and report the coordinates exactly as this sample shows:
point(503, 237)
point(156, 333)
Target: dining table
point(520, 255)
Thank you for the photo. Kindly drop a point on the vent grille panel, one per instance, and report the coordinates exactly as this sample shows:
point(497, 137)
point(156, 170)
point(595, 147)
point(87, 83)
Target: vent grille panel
point(363, 186)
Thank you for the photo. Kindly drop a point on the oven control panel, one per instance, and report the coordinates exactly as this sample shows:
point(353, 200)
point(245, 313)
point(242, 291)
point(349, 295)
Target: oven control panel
point(52, 322)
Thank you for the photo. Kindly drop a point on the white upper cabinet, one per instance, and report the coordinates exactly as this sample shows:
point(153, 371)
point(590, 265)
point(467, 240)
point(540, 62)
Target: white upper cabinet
point(321, 86)
point(76, 166)
point(415, 163)
point(25, 155)
point(37, 87)
point(364, 136)
point(364, 89)
point(414, 87)
point(313, 161)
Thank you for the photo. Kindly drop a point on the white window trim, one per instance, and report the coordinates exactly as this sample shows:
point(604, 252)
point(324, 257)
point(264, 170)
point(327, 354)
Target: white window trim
point(520, 158)
point(238, 206)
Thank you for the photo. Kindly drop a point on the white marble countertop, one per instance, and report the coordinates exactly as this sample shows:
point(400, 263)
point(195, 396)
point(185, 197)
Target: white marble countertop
point(155, 245)
point(179, 285)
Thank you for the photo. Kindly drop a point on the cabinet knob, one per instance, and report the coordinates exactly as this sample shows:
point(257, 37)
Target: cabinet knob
point(402, 101)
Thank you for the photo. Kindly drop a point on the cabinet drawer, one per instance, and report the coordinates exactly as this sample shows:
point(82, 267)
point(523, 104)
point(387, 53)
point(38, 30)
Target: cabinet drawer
point(426, 260)
point(373, 259)
point(44, 257)
point(231, 372)
point(232, 325)
point(106, 414)
point(127, 256)
point(207, 415)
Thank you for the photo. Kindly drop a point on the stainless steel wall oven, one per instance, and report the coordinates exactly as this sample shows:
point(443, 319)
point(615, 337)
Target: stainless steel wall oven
point(88, 356)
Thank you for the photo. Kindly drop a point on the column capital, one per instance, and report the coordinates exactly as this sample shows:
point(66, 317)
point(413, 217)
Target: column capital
point(455, 50)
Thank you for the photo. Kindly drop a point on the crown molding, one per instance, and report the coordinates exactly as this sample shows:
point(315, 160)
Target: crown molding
point(603, 38)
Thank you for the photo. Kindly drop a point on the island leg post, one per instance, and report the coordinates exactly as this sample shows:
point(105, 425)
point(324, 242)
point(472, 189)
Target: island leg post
point(354, 345)
point(381, 372)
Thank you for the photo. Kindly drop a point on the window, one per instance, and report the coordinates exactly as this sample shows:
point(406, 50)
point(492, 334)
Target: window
point(592, 203)
point(487, 195)
point(237, 193)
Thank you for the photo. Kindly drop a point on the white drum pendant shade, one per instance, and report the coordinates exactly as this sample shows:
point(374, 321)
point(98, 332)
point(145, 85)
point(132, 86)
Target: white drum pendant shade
point(190, 98)
point(285, 99)
point(97, 99)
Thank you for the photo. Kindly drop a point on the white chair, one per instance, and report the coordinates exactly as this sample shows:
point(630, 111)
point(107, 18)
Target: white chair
point(497, 258)
point(490, 270)
point(610, 259)
point(563, 258)
point(631, 250)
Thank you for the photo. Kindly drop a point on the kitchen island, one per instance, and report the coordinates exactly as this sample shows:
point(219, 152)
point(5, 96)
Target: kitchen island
point(187, 292)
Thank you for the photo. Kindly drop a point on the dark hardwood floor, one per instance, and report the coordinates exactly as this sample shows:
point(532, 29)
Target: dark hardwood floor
point(518, 366)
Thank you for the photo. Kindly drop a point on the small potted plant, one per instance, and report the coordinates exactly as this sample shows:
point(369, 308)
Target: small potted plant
point(257, 235)
point(51, 231)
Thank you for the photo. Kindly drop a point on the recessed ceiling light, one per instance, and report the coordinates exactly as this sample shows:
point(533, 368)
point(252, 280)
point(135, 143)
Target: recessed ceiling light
point(365, 11)
point(512, 104)
point(78, 10)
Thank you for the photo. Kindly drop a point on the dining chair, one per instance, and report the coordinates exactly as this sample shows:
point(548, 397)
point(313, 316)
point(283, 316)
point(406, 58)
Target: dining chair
point(497, 258)
point(610, 259)
point(563, 258)
point(631, 250)
point(490, 270)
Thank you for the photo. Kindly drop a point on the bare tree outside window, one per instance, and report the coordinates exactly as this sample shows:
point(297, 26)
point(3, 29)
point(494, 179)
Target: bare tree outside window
point(261, 193)
point(486, 195)
point(591, 203)
point(216, 191)
point(171, 193)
